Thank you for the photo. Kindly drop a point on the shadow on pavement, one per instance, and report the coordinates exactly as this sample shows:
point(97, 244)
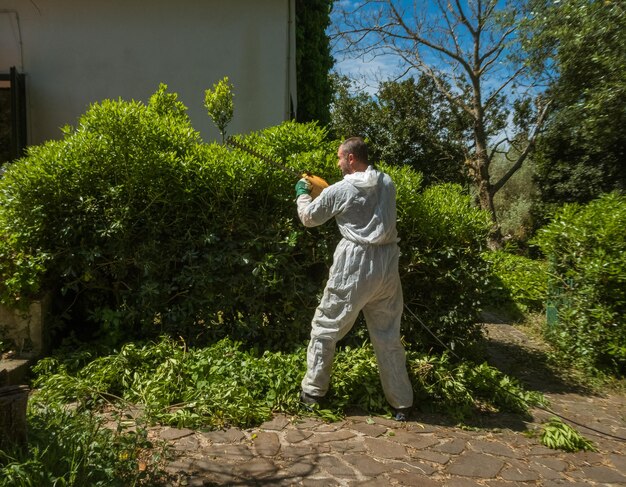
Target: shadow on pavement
point(513, 353)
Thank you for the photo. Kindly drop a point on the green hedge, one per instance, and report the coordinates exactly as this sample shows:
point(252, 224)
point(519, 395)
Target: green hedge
point(138, 228)
point(585, 246)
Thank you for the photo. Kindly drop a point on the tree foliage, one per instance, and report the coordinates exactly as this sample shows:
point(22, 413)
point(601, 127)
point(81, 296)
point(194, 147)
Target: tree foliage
point(313, 60)
point(463, 48)
point(582, 153)
point(409, 123)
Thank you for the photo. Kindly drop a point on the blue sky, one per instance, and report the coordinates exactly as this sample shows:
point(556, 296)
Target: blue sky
point(369, 70)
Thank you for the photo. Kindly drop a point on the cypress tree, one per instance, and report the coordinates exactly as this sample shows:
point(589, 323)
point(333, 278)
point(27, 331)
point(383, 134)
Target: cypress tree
point(313, 60)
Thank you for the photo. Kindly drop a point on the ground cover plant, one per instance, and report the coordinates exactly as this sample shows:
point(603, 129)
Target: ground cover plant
point(73, 448)
point(137, 228)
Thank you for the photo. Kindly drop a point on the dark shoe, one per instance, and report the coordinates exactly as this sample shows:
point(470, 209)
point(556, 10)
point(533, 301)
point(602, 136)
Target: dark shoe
point(308, 400)
point(401, 414)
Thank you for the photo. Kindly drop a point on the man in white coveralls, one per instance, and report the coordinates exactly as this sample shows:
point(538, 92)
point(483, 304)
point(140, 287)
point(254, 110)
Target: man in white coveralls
point(364, 275)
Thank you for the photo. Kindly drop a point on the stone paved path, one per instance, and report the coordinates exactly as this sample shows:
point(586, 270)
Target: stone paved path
point(374, 451)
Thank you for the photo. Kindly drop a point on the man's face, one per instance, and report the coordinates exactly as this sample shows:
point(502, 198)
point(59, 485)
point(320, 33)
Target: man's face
point(343, 162)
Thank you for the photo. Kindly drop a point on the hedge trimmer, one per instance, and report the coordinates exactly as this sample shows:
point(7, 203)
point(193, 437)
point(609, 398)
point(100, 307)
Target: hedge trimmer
point(317, 183)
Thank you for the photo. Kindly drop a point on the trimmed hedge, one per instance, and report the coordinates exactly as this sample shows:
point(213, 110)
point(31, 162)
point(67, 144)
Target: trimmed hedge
point(139, 229)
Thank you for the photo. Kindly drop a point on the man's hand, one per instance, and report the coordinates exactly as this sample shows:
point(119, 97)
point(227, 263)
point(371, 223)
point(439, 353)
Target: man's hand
point(303, 187)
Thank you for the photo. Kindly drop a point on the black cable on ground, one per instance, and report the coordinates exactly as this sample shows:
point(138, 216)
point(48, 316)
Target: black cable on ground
point(545, 409)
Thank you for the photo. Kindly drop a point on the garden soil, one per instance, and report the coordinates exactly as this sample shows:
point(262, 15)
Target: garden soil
point(499, 450)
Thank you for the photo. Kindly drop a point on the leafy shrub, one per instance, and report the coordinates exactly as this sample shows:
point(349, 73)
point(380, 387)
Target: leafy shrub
point(443, 275)
point(521, 284)
point(140, 229)
point(585, 247)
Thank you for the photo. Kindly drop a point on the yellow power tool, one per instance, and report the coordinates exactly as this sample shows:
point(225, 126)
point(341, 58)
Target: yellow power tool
point(316, 182)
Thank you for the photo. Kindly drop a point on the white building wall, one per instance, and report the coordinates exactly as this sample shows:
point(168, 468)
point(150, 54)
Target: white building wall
point(76, 52)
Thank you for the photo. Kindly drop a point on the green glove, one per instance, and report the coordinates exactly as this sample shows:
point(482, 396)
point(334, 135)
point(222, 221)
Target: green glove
point(303, 187)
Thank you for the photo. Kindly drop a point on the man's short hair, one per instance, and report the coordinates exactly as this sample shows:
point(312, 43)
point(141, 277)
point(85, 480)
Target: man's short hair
point(357, 147)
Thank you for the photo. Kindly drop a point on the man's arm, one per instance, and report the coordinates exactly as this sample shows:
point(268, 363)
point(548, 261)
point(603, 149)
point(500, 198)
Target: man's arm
point(316, 212)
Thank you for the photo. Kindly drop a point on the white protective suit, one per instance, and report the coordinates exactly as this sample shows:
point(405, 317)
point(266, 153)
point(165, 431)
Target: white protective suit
point(364, 276)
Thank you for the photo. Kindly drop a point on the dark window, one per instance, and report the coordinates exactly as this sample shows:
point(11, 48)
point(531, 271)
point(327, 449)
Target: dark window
point(12, 115)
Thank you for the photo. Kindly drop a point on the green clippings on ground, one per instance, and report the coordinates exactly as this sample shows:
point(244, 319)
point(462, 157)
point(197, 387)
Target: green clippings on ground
point(224, 385)
point(560, 436)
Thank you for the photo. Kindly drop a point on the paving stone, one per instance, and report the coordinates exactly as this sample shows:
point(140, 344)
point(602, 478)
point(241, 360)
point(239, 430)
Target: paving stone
point(300, 451)
point(296, 436)
point(475, 465)
point(415, 427)
point(353, 446)
point(225, 436)
point(385, 449)
point(389, 423)
point(214, 467)
point(415, 466)
point(188, 443)
point(493, 448)
point(619, 462)
point(431, 456)
point(367, 466)
point(335, 467)
point(320, 482)
point(329, 427)
point(567, 482)
point(555, 464)
point(545, 472)
point(180, 465)
point(505, 483)
point(277, 423)
point(373, 430)
point(587, 458)
point(195, 482)
point(334, 436)
point(171, 434)
point(518, 472)
point(603, 475)
point(257, 467)
point(413, 479)
point(306, 424)
point(360, 418)
point(543, 451)
point(459, 482)
point(378, 482)
point(454, 446)
point(267, 444)
point(229, 453)
point(302, 468)
point(409, 438)
point(282, 481)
